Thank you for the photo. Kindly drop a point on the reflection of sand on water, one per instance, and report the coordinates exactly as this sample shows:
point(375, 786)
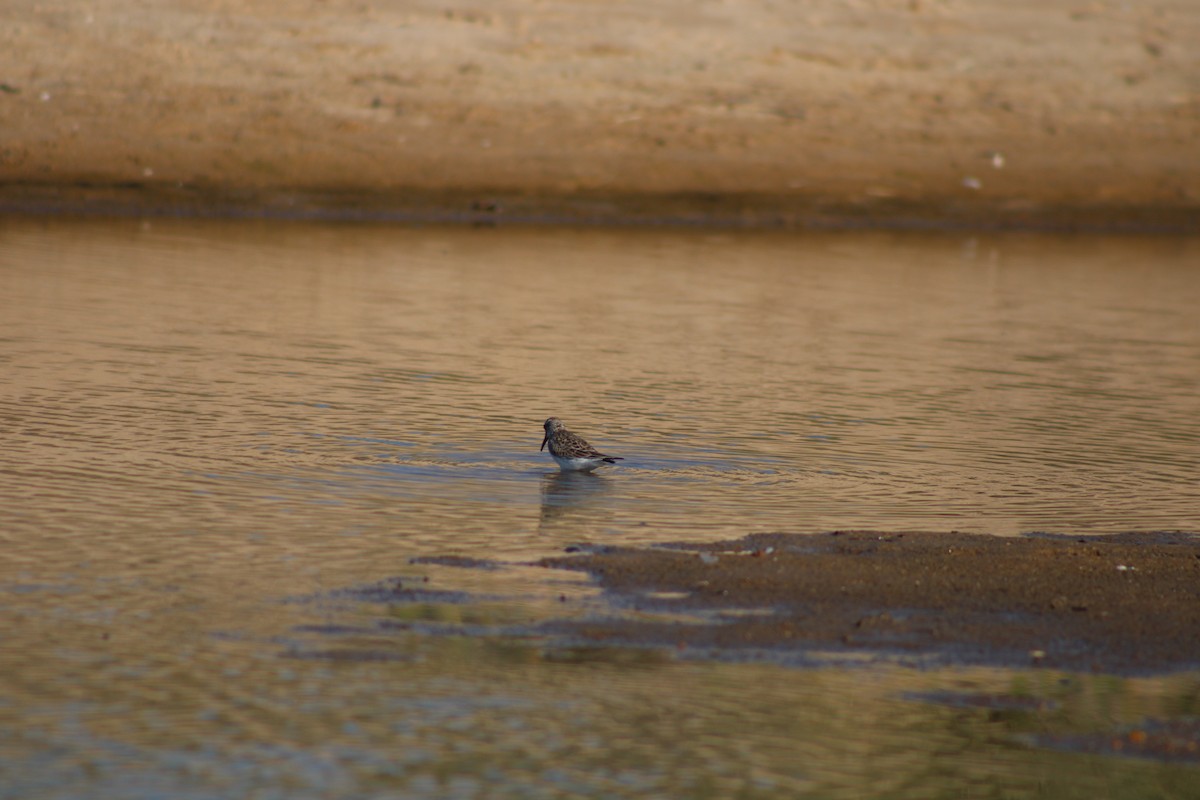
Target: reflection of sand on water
point(571, 501)
point(877, 108)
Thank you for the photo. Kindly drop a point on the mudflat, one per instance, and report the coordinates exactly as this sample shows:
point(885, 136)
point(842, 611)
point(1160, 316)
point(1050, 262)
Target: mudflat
point(1127, 603)
point(1053, 113)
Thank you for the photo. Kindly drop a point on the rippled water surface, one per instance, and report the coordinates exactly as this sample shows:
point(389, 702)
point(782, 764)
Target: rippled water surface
point(206, 425)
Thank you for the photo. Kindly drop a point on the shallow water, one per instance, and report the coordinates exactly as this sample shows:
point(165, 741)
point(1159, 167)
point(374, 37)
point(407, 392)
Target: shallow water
point(210, 428)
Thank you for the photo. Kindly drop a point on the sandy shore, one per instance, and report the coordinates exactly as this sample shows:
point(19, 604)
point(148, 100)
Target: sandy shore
point(1125, 604)
point(941, 112)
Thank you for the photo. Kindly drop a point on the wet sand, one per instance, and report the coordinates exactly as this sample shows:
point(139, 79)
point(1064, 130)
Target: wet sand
point(1124, 604)
point(879, 112)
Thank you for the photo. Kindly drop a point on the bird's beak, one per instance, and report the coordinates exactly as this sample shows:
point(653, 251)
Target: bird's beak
point(545, 439)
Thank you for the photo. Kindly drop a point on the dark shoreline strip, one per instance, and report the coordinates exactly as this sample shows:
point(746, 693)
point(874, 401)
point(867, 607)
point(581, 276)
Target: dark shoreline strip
point(1124, 604)
point(681, 209)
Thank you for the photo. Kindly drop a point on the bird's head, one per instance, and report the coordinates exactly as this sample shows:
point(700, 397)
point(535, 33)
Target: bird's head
point(551, 425)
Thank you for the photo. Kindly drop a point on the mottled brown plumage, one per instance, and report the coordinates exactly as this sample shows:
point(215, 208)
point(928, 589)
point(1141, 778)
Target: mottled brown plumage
point(570, 450)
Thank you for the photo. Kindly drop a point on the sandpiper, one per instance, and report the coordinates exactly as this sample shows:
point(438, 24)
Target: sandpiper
point(572, 453)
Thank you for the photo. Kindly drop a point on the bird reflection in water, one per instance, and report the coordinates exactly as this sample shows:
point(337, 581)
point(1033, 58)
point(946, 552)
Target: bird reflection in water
point(573, 498)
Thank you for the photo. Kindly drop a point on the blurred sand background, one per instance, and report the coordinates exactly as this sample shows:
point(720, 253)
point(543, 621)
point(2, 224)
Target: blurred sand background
point(1045, 113)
